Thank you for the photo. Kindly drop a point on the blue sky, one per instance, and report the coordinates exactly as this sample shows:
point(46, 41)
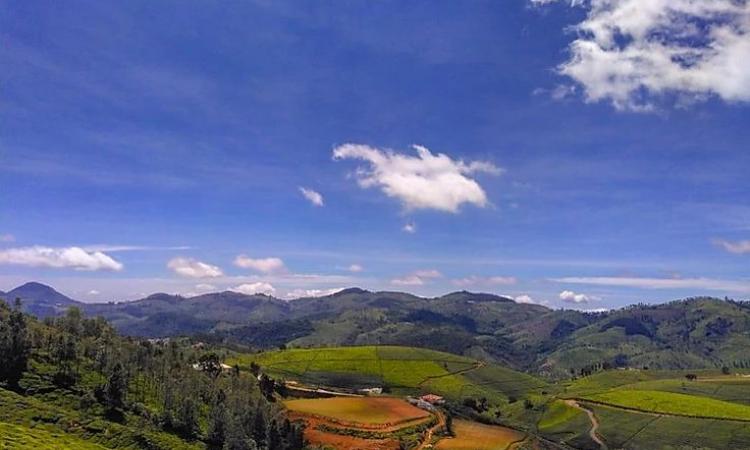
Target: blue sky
point(162, 146)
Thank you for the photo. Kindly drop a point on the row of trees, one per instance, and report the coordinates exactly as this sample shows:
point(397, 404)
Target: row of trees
point(167, 384)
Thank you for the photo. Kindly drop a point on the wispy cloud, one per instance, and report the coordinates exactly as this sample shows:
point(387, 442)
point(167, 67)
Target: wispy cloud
point(410, 227)
point(192, 268)
point(61, 257)
point(474, 280)
point(7, 238)
point(736, 247)
point(312, 196)
point(264, 265)
point(424, 181)
point(662, 283)
point(303, 293)
point(418, 278)
point(355, 268)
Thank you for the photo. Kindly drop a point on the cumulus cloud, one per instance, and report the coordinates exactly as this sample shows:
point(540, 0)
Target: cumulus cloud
point(191, 268)
point(312, 196)
point(662, 283)
point(355, 268)
point(410, 228)
point(264, 265)
point(418, 278)
point(525, 299)
point(303, 293)
point(7, 238)
point(259, 287)
point(65, 257)
point(205, 287)
point(630, 52)
point(424, 181)
point(474, 280)
point(736, 247)
point(572, 297)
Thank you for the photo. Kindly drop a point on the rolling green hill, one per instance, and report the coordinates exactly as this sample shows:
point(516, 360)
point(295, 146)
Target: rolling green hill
point(694, 333)
point(401, 370)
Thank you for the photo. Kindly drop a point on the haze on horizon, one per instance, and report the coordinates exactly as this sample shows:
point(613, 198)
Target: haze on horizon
point(563, 154)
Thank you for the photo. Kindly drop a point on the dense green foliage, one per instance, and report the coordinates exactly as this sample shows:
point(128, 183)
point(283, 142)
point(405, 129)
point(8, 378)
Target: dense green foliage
point(72, 382)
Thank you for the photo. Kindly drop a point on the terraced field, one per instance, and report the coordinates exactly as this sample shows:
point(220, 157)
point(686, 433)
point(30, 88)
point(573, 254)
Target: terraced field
point(476, 436)
point(403, 370)
point(362, 411)
point(673, 404)
point(659, 409)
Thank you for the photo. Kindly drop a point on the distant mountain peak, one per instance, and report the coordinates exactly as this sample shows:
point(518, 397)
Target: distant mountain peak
point(40, 299)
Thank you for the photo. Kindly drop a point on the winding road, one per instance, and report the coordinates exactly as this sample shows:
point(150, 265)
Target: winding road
point(594, 423)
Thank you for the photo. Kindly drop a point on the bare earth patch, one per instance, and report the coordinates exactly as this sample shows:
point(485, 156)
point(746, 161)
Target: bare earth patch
point(477, 436)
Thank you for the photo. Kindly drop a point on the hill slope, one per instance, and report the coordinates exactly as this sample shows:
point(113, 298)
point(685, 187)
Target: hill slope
point(701, 332)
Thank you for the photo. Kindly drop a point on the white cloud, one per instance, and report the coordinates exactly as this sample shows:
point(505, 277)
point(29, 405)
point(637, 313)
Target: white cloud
point(314, 197)
point(736, 247)
point(205, 287)
point(629, 52)
point(425, 181)
point(474, 280)
point(410, 228)
point(418, 278)
point(525, 299)
point(65, 257)
point(572, 297)
point(7, 238)
point(355, 268)
point(93, 292)
point(662, 283)
point(191, 268)
point(303, 293)
point(254, 288)
point(264, 265)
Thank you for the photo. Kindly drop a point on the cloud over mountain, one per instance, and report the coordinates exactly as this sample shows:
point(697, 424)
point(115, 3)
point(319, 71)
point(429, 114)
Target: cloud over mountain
point(61, 257)
point(264, 265)
point(255, 288)
point(192, 268)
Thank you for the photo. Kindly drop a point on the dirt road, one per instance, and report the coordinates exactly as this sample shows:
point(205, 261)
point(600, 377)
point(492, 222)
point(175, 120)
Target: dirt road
point(594, 423)
point(429, 433)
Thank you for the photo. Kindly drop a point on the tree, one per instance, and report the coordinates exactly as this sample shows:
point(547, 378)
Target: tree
point(725, 370)
point(218, 418)
point(116, 388)
point(15, 346)
point(210, 364)
point(273, 439)
point(254, 368)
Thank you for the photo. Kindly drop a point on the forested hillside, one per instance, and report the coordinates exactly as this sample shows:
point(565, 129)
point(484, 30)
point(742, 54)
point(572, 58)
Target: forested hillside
point(696, 333)
point(72, 382)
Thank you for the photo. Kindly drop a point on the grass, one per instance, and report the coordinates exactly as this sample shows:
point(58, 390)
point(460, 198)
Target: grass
point(364, 410)
point(405, 370)
point(476, 436)
point(672, 403)
point(14, 436)
point(51, 416)
point(564, 423)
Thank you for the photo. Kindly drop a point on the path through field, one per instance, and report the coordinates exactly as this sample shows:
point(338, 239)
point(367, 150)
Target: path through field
point(428, 435)
point(477, 365)
point(594, 423)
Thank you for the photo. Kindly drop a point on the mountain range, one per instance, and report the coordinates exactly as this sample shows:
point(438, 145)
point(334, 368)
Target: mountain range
point(690, 333)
